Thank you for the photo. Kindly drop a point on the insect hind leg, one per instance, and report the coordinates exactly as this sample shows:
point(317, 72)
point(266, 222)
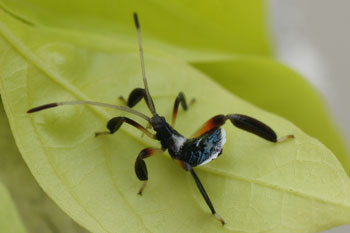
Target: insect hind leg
point(256, 127)
point(243, 122)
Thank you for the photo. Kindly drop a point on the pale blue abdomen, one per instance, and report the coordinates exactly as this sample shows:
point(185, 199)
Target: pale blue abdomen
point(201, 150)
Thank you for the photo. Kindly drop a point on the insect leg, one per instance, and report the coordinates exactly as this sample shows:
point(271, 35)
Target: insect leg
point(243, 122)
point(179, 99)
point(256, 127)
point(135, 97)
point(188, 167)
point(140, 165)
point(115, 123)
point(213, 122)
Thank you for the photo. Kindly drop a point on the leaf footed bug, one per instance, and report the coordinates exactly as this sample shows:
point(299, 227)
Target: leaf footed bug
point(205, 145)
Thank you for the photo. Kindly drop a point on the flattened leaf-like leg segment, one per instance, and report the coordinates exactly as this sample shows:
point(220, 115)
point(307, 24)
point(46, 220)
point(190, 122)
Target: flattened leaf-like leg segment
point(135, 97)
point(244, 122)
point(140, 165)
point(115, 123)
point(188, 167)
point(256, 127)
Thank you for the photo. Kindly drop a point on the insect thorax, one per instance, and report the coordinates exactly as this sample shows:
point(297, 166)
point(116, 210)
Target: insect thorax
point(169, 138)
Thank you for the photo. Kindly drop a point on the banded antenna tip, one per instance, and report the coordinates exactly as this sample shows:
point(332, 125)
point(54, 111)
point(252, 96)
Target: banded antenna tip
point(136, 20)
point(42, 107)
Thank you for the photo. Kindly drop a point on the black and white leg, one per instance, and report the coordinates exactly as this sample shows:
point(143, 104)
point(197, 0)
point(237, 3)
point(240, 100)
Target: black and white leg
point(140, 165)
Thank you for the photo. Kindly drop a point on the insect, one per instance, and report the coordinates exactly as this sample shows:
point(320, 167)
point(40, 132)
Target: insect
point(205, 145)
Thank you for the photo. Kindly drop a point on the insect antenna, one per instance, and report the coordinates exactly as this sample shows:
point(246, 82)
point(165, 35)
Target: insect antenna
point(121, 108)
point(149, 98)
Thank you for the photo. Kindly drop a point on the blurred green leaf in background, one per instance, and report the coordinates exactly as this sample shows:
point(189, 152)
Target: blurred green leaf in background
point(56, 50)
point(9, 219)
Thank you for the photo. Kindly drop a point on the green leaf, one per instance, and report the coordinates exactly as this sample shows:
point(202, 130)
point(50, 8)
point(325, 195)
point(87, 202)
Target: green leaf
point(177, 27)
point(278, 89)
point(10, 221)
point(256, 186)
point(39, 212)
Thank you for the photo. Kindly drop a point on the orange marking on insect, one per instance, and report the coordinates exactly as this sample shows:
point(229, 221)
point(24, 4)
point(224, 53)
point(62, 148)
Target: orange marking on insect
point(174, 117)
point(206, 127)
point(180, 164)
point(216, 121)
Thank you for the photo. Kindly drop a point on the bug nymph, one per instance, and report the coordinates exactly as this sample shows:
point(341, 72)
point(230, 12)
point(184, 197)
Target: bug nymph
point(205, 145)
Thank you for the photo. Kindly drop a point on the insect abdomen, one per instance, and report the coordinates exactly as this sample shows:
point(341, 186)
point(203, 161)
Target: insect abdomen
point(201, 150)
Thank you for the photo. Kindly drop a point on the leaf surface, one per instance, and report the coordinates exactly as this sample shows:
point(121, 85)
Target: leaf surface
point(256, 186)
point(38, 211)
